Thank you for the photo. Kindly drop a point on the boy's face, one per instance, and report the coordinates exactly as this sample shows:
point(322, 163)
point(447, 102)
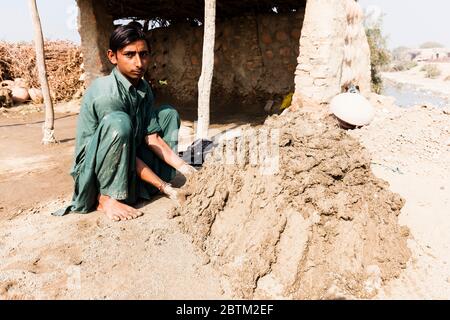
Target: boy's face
point(132, 60)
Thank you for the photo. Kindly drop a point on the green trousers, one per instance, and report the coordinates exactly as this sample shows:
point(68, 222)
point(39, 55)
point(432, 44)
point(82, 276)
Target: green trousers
point(109, 164)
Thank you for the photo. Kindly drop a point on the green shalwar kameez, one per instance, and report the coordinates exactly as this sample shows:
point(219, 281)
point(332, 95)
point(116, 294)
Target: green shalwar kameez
point(114, 119)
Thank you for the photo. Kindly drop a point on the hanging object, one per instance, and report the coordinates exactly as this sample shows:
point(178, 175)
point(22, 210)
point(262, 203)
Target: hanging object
point(352, 109)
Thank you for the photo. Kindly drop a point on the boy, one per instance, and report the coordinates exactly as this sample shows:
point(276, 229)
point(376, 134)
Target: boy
point(124, 146)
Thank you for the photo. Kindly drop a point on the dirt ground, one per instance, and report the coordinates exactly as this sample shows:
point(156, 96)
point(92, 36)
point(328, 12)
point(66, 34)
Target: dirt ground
point(411, 150)
point(87, 256)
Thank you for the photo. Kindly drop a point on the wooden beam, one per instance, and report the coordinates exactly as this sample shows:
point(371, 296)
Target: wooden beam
point(42, 70)
point(204, 84)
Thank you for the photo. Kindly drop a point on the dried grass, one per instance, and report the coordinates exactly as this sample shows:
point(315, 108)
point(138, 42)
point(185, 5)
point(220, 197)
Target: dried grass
point(63, 60)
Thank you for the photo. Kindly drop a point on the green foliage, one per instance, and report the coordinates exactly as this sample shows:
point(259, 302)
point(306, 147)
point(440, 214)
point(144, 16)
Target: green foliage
point(431, 71)
point(430, 45)
point(379, 54)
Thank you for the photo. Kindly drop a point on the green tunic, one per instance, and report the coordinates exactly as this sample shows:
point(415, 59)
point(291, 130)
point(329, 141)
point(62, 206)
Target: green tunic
point(114, 119)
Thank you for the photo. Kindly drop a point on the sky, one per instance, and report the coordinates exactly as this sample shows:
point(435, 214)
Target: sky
point(412, 22)
point(58, 19)
point(405, 22)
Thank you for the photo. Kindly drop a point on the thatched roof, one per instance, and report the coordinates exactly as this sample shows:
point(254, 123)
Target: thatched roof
point(182, 10)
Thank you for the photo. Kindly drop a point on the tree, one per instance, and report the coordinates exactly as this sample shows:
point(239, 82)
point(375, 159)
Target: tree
point(379, 54)
point(400, 53)
point(431, 45)
point(204, 83)
point(42, 70)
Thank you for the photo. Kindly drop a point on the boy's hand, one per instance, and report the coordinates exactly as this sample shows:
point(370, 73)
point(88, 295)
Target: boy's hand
point(177, 195)
point(187, 170)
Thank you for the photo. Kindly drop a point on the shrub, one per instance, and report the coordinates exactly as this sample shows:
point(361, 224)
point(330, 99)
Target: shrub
point(431, 71)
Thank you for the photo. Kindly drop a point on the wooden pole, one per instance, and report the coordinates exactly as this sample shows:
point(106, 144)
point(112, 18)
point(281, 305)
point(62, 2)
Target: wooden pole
point(204, 83)
point(40, 62)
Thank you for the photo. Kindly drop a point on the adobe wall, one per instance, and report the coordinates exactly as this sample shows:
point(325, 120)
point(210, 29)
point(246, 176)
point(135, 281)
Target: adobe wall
point(319, 74)
point(256, 57)
point(95, 27)
point(255, 60)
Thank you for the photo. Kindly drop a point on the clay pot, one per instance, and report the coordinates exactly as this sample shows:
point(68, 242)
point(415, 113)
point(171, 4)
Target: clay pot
point(352, 108)
point(20, 95)
point(6, 97)
point(36, 95)
point(21, 83)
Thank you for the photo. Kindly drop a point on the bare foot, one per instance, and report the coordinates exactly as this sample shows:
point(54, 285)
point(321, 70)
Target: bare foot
point(116, 210)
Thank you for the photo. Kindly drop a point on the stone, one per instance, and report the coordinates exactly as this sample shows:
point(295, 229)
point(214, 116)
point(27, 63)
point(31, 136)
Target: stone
point(266, 38)
point(285, 51)
point(281, 36)
point(269, 54)
point(195, 61)
point(197, 48)
point(295, 34)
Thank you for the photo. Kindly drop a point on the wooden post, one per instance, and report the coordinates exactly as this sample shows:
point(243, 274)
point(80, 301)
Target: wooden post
point(204, 83)
point(40, 62)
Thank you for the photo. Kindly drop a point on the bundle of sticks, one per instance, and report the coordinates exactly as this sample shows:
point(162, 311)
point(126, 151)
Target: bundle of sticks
point(63, 61)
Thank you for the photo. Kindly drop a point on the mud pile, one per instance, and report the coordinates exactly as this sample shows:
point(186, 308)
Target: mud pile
point(320, 226)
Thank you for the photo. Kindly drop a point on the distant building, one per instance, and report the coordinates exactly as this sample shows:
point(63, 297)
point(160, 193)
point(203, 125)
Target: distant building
point(430, 55)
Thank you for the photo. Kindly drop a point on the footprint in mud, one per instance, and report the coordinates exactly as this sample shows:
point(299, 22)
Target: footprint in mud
point(89, 225)
point(55, 258)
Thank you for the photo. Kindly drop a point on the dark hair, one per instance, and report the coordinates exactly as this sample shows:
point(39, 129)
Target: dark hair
point(126, 34)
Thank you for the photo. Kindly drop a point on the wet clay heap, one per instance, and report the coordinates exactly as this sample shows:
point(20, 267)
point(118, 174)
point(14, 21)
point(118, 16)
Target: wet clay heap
point(322, 226)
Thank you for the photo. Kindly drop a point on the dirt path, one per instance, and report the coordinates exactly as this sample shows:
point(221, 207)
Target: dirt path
point(29, 172)
point(82, 256)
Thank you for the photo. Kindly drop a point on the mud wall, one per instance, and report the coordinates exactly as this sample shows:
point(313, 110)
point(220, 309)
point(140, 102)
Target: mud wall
point(318, 77)
point(95, 27)
point(255, 61)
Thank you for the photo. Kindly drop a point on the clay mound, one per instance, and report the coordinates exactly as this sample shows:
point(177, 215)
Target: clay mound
point(321, 227)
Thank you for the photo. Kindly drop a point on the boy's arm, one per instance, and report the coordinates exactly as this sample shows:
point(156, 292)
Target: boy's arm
point(163, 151)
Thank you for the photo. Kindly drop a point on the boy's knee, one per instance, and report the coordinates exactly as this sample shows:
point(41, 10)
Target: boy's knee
point(120, 124)
point(168, 112)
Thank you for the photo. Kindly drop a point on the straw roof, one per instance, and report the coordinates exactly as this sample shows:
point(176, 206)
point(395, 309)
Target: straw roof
point(173, 10)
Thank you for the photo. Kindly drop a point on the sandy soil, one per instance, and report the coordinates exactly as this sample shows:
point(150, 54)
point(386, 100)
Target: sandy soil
point(88, 256)
point(411, 150)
